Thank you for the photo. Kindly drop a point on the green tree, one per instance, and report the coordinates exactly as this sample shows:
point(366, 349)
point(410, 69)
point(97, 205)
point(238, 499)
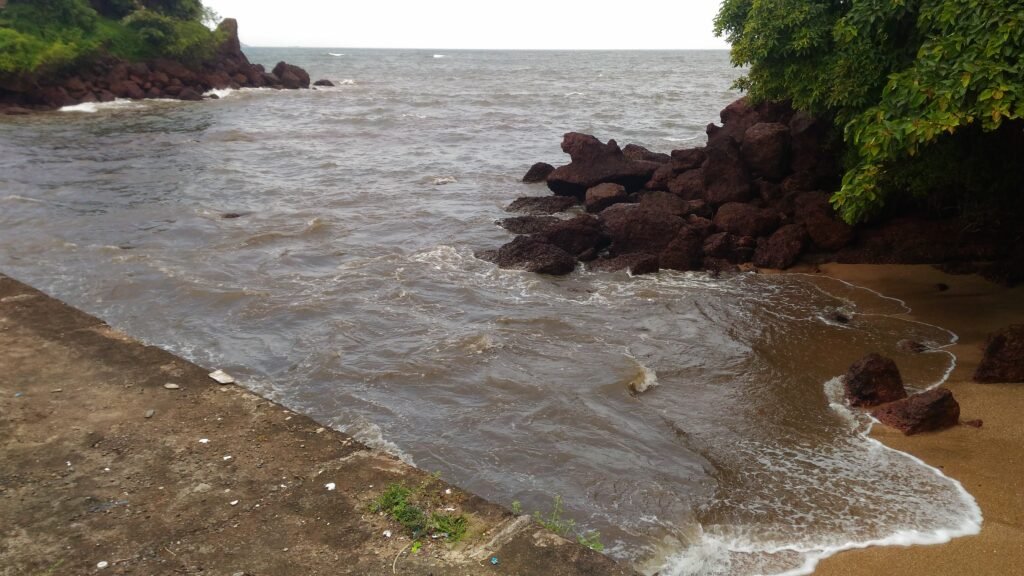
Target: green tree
point(906, 80)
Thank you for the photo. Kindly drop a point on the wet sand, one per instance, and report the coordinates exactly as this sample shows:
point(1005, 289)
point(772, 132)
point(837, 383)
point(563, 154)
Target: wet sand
point(989, 461)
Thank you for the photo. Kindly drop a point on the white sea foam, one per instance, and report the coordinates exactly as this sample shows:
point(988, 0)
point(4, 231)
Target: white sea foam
point(222, 93)
point(439, 56)
point(335, 54)
point(644, 379)
point(94, 107)
point(347, 82)
point(568, 94)
point(371, 435)
point(442, 180)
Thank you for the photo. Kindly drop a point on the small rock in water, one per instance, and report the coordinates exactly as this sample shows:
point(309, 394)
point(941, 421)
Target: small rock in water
point(150, 413)
point(222, 377)
point(171, 386)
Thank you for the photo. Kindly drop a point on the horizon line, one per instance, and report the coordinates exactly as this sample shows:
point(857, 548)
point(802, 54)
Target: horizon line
point(245, 45)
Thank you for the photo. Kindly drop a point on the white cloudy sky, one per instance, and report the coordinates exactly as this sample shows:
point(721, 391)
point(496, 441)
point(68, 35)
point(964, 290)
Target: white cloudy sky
point(521, 24)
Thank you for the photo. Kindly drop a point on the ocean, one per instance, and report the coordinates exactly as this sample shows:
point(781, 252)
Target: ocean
point(347, 289)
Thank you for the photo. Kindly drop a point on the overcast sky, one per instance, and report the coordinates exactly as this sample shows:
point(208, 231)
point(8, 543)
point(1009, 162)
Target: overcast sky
point(522, 24)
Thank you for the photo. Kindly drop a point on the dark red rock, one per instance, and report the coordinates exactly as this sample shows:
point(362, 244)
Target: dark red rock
point(782, 249)
point(873, 380)
point(928, 411)
point(604, 195)
point(189, 94)
point(688, 159)
point(128, 89)
point(636, 152)
point(595, 163)
point(813, 150)
point(532, 254)
point(664, 202)
point(746, 219)
point(661, 177)
point(726, 178)
point(826, 230)
point(634, 229)
point(538, 172)
point(685, 251)
point(766, 150)
point(323, 82)
point(721, 245)
point(911, 346)
point(580, 236)
point(688, 185)
point(737, 117)
point(541, 204)
point(291, 76)
point(636, 264)
point(1003, 358)
point(527, 224)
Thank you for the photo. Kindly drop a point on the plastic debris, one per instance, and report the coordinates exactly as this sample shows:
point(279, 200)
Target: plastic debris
point(222, 377)
point(150, 413)
point(19, 394)
point(102, 564)
point(226, 458)
point(171, 386)
point(330, 486)
point(387, 533)
point(448, 491)
point(494, 560)
point(234, 502)
point(204, 440)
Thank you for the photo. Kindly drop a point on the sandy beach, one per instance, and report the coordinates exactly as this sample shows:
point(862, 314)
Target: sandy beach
point(988, 461)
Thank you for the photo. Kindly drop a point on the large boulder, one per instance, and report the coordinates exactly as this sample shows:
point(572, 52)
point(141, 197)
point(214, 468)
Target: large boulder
point(1003, 359)
point(661, 177)
point(782, 249)
point(688, 159)
point(580, 236)
point(688, 185)
point(746, 219)
point(664, 202)
point(595, 163)
point(538, 172)
point(604, 195)
point(541, 204)
point(873, 380)
point(726, 178)
point(826, 230)
point(686, 250)
point(291, 76)
point(925, 412)
point(636, 264)
point(737, 117)
point(637, 152)
point(631, 228)
point(533, 254)
point(766, 149)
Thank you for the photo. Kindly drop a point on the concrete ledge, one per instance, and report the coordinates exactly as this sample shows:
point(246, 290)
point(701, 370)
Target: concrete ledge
point(87, 477)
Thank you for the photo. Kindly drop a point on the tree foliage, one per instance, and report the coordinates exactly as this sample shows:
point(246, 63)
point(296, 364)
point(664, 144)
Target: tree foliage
point(899, 76)
point(45, 36)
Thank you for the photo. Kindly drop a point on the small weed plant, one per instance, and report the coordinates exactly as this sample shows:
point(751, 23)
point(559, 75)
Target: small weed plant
point(565, 527)
point(403, 505)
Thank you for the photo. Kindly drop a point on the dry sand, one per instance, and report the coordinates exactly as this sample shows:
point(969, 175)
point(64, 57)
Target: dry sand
point(989, 461)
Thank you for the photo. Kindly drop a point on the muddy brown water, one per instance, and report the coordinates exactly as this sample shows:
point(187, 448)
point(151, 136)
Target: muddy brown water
point(347, 289)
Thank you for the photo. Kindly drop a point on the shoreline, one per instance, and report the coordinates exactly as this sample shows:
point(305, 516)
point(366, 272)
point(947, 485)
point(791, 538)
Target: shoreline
point(980, 460)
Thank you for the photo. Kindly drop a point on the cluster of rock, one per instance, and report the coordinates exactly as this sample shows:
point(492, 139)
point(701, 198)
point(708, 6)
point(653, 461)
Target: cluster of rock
point(874, 382)
point(756, 193)
point(161, 78)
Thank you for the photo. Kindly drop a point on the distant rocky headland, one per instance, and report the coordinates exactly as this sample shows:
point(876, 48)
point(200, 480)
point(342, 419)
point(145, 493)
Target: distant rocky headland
point(119, 63)
point(756, 195)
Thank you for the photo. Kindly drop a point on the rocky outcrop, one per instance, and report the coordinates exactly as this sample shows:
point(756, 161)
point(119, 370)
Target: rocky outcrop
point(533, 254)
point(110, 78)
point(595, 163)
point(604, 195)
point(925, 412)
point(323, 82)
point(1003, 358)
point(873, 380)
point(541, 204)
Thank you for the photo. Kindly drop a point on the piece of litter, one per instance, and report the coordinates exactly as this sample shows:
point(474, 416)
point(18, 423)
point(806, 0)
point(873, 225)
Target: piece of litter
point(234, 502)
point(448, 491)
point(103, 564)
point(387, 533)
point(226, 458)
point(330, 486)
point(150, 413)
point(106, 469)
point(19, 394)
point(204, 440)
point(222, 377)
point(171, 386)
point(494, 560)
point(320, 430)
point(450, 509)
point(68, 463)
point(57, 390)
